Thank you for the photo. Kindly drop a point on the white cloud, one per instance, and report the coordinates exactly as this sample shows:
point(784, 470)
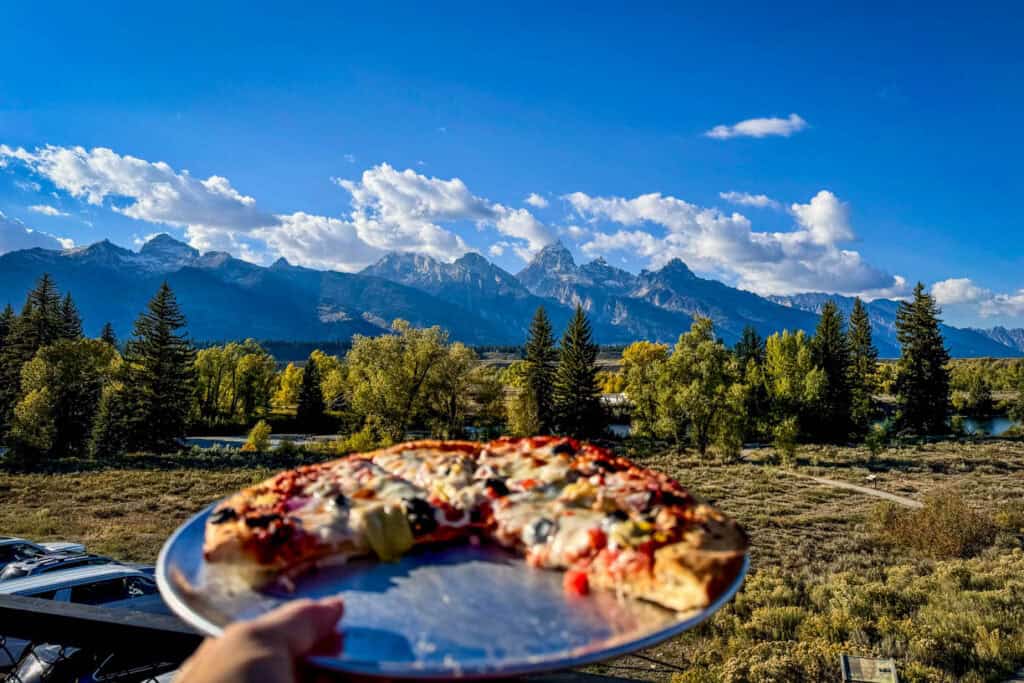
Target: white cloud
point(536, 201)
point(1004, 304)
point(213, 212)
point(28, 186)
point(725, 245)
point(760, 201)
point(959, 290)
point(15, 235)
point(319, 242)
point(47, 210)
point(759, 128)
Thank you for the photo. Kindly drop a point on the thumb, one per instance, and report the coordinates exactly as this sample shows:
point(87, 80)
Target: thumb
point(300, 625)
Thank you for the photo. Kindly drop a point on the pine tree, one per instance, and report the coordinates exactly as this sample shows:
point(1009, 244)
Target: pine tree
point(310, 411)
point(9, 369)
point(922, 379)
point(6, 322)
point(71, 320)
point(541, 358)
point(863, 367)
point(160, 361)
point(831, 353)
point(108, 335)
point(750, 347)
point(576, 400)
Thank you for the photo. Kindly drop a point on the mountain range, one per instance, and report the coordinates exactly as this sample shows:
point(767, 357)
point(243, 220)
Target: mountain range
point(476, 301)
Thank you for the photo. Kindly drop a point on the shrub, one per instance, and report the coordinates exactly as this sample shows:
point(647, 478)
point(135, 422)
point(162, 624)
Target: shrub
point(946, 527)
point(259, 438)
point(784, 436)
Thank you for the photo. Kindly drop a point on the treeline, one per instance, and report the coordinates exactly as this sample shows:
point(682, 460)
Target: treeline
point(63, 394)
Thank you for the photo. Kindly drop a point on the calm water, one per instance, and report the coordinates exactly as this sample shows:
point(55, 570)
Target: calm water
point(993, 426)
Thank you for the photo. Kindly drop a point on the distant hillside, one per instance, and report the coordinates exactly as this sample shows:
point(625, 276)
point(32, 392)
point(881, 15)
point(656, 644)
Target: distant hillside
point(1011, 337)
point(475, 300)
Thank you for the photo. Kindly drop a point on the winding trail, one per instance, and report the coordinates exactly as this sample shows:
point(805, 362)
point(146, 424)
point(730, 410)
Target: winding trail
point(885, 495)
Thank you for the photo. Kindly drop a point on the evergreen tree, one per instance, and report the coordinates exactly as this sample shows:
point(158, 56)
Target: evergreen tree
point(112, 428)
point(160, 377)
point(576, 400)
point(750, 347)
point(108, 335)
point(6, 322)
point(863, 368)
point(71, 320)
point(830, 352)
point(541, 357)
point(310, 412)
point(922, 379)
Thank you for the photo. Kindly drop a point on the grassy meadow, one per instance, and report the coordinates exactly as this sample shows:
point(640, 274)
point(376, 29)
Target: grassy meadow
point(834, 571)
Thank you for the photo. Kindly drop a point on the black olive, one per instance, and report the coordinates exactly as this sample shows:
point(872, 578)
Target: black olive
point(341, 501)
point(420, 515)
point(540, 530)
point(262, 521)
point(619, 515)
point(606, 465)
point(497, 485)
point(669, 498)
point(565, 447)
point(281, 534)
point(573, 476)
point(223, 515)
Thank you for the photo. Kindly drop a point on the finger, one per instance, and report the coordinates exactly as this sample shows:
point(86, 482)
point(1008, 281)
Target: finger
point(299, 625)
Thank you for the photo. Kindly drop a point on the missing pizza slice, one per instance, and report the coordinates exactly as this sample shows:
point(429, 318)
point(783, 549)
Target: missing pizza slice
point(602, 520)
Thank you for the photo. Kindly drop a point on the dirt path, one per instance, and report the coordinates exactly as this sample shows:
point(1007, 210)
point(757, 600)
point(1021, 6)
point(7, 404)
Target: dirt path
point(885, 495)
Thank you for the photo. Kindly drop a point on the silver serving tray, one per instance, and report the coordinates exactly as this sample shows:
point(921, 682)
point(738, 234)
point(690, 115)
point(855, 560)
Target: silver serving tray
point(439, 612)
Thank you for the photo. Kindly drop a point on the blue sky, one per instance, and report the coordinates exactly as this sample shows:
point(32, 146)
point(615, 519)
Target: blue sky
point(885, 142)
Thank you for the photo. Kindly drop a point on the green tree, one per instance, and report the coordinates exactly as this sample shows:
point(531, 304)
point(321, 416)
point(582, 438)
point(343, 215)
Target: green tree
point(699, 392)
point(795, 385)
point(258, 440)
point(641, 365)
point(108, 335)
point(831, 352)
point(863, 369)
point(541, 359)
point(288, 384)
point(487, 401)
point(333, 379)
point(576, 399)
point(7, 318)
point(234, 382)
point(62, 386)
point(71, 320)
point(388, 374)
point(521, 407)
point(161, 375)
point(113, 427)
point(922, 378)
point(450, 391)
point(974, 395)
point(311, 409)
point(750, 347)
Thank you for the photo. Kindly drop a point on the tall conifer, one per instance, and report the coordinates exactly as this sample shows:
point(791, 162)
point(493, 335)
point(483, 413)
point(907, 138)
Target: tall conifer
point(311, 408)
point(831, 353)
point(577, 397)
point(922, 379)
point(541, 358)
point(160, 380)
point(863, 368)
point(108, 335)
point(70, 319)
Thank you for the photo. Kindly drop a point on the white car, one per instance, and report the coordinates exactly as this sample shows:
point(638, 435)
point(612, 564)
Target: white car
point(110, 585)
point(18, 549)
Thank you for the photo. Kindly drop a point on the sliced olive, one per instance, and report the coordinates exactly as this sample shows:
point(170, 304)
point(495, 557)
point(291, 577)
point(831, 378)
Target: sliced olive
point(498, 486)
point(340, 500)
point(540, 530)
point(261, 521)
point(564, 447)
point(619, 515)
point(420, 515)
point(223, 515)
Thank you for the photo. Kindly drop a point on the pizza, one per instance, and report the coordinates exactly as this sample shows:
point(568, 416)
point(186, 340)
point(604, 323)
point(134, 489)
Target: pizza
point(602, 520)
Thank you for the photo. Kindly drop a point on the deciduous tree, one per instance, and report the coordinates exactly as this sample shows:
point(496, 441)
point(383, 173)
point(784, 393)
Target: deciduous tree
point(641, 365)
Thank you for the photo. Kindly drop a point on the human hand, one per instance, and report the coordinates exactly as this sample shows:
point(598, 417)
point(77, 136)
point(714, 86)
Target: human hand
point(271, 648)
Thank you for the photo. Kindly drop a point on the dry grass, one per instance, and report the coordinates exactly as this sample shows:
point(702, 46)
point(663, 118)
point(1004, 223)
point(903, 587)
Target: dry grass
point(822, 583)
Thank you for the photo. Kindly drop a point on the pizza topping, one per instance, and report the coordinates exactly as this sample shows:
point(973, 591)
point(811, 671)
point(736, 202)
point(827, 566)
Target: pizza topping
point(538, 532)
point(496, 486)
point(421, 516)
point(575, 582)
point(387, 531)
point(222, 515)
point(261, 521)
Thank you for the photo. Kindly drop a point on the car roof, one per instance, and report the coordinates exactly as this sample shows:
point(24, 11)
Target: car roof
point(66, 578)
point(10, 540)
point(62, 558)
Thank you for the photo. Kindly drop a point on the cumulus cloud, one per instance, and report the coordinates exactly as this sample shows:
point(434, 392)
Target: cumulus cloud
point(536, 201)
point(406, 207)
point(810, 257)
point(959, 290)
point(759, 128)
point(320, 242)
point(47, 210)
point(760, 201)
point(15, 235)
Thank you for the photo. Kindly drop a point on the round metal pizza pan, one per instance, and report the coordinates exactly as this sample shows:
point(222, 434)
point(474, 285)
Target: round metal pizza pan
point(469, 611)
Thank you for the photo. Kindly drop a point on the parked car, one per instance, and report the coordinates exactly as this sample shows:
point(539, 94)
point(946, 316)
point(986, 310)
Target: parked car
point(18, 549)
point(51, 563)
point(110, 585)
